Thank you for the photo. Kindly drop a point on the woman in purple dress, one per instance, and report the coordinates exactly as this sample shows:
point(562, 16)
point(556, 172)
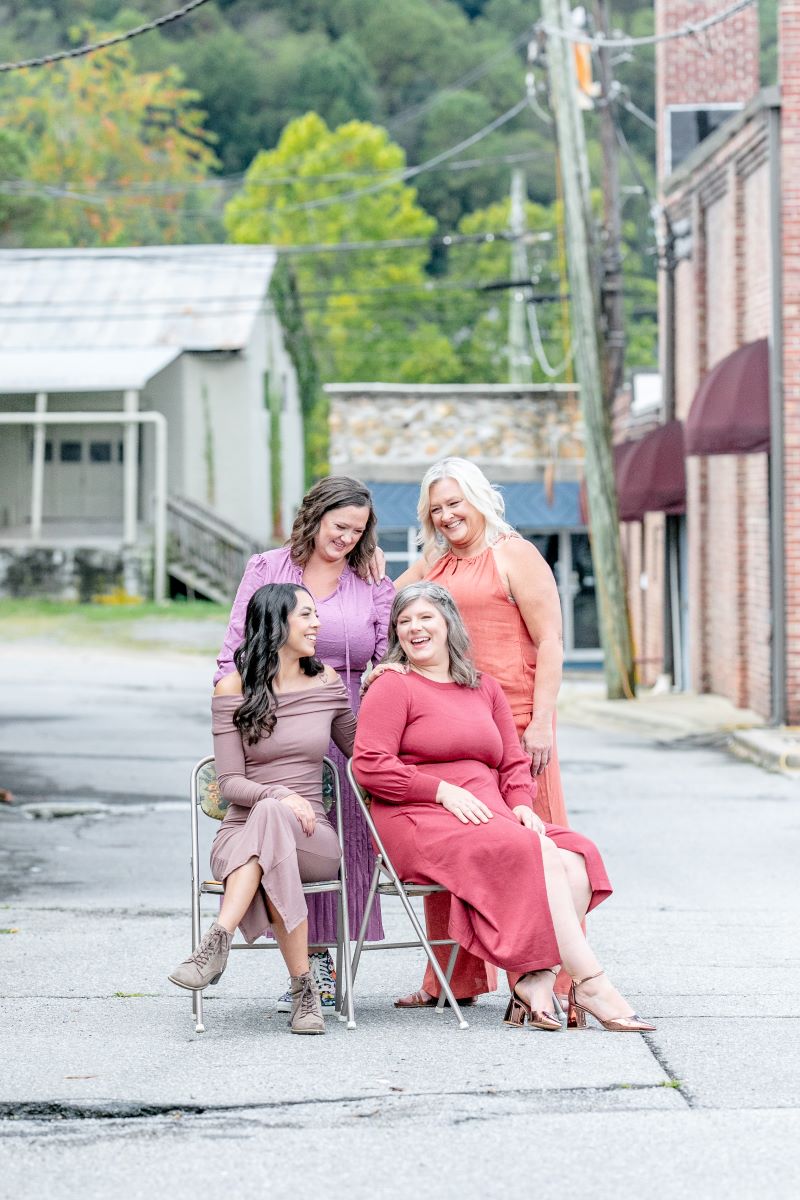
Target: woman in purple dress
point(330, 552)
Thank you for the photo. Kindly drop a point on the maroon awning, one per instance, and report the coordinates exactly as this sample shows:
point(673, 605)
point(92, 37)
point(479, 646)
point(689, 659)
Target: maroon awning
point(652, 474)
point(730, 413)
point(620, 453)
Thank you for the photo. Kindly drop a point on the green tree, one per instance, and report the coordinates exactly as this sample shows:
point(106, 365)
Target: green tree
point(110, 138)
point(21, 212)
point(363, 308)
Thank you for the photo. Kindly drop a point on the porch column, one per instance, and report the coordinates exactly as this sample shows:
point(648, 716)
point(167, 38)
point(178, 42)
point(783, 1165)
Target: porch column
point(37, 474)
point(130, 471)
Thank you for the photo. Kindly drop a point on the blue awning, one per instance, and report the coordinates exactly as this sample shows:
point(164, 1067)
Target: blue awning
point(527, 505)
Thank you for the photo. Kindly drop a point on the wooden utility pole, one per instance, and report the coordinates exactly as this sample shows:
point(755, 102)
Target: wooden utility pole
point(611, 288)
point(585, 310)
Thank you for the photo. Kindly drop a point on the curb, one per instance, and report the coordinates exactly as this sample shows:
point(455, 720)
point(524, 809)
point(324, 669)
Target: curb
point(774, 749)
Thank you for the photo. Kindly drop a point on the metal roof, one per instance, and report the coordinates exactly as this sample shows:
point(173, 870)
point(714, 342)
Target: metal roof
point(188, 297)
point(527, 505)
point(111, 369)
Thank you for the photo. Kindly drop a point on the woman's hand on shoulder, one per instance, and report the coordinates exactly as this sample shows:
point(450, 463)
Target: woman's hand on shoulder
point(229, 685)
point(377, 565)
point(303, 811)
point(329, 675)
point(527, 817)
point(462, 804)
point(376, 673)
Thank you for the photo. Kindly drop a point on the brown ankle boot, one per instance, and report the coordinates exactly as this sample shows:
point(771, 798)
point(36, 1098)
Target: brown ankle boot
point(306, 1005)
point(207, 963)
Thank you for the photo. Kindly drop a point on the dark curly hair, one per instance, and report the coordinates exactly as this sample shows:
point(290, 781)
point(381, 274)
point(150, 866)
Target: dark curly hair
point(266, 629)
point(334, 491)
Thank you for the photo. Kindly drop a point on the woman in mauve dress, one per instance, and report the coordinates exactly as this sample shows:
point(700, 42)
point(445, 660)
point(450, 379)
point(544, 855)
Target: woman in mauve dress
point(508, 599)
point(331, 551)
point(453, 800)
point(273, 718)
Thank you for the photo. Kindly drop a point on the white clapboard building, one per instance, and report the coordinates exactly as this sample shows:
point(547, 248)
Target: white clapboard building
point(159, 380)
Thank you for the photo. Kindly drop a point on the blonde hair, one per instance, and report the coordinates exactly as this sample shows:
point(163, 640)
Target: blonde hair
point(476, 488)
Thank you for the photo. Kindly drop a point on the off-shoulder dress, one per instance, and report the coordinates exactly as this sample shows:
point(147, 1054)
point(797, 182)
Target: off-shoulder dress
point(254, 779)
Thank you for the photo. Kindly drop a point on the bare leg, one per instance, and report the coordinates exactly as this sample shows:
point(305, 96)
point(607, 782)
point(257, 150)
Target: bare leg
point(240, 887)
point(578, 880)
point(293, 946)
point(576, 955)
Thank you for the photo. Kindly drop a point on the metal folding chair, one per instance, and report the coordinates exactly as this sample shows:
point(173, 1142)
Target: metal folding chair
point(386, 882)
point(204, 794)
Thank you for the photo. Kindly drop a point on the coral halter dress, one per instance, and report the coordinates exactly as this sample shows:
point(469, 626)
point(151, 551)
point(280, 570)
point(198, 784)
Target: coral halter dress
point(503, 648)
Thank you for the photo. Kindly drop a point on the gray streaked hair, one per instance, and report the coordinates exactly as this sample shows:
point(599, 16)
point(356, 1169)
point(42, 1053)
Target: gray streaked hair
point(476, 488)
point(462, 668)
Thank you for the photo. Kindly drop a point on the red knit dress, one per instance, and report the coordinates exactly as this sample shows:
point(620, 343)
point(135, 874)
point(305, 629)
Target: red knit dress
point(414, 732)
point(503, 647)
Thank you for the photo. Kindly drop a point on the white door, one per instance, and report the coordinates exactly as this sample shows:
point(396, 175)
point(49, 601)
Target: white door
point(83, 474)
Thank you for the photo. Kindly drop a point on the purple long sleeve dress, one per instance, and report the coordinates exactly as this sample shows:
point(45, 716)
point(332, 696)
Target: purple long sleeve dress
point(353, 626)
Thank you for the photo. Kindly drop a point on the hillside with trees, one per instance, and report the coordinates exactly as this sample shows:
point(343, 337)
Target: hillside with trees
point(263, 120)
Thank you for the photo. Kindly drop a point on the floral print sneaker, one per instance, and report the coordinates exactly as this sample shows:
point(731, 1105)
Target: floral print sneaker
point(322, 969)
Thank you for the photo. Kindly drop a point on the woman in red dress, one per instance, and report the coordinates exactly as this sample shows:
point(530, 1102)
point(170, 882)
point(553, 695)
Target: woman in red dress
point(437, 749)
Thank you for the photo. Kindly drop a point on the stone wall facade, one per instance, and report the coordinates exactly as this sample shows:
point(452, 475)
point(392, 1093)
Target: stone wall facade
point(75, 572)
point(394, 432)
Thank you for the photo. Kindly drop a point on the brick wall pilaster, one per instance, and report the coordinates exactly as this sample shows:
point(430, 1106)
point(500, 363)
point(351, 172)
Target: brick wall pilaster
point(789, 76)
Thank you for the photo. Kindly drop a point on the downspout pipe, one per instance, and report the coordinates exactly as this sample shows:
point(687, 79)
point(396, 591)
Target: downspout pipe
point(777, 464)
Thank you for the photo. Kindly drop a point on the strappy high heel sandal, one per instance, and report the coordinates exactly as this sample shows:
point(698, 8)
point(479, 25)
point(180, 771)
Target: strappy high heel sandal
point(518, 1010)
point(576, 1014)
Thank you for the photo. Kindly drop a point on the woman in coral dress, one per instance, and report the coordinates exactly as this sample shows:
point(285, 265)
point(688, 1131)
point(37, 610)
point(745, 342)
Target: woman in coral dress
point(438, 751)
point(508, 599)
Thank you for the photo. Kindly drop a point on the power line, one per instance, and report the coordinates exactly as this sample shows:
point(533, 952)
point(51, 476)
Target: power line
point(400, 176)
point(634, 166)
point(641, 116)
point(104, 43)
point(239, 259)
point(689, 29)
point(143, 307)
point(471, 76)
point(412, 172)
point(552, 372)
point(47, 191)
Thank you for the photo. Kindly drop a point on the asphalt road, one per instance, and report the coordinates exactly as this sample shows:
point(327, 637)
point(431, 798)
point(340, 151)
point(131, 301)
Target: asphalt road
point(106, 1089)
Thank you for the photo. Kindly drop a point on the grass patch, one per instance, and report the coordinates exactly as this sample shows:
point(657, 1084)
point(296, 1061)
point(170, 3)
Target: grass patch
point(9, 931)
point(672, 1083)
point(133, 995)
point(110, 624)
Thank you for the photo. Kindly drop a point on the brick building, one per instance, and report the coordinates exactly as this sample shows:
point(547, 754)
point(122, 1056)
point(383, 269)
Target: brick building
point(714, 575)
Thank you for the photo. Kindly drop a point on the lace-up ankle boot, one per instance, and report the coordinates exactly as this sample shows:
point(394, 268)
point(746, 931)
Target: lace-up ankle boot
point(306, 1006)
point(207, 963)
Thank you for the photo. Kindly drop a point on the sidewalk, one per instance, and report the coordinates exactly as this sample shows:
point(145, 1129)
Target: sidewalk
point(668, 717)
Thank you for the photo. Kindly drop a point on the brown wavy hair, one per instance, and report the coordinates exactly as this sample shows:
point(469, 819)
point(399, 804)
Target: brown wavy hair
point(334, 491)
